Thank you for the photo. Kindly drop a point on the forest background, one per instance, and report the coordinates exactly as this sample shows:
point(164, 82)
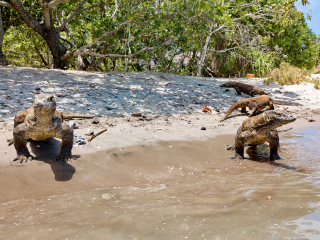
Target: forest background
point(221, 38)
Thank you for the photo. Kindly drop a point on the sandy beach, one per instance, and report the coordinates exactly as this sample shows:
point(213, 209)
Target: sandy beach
point(170, 105)
point(154, 176)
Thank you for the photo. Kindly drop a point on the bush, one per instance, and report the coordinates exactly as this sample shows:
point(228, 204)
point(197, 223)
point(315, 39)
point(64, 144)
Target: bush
point(287, 74)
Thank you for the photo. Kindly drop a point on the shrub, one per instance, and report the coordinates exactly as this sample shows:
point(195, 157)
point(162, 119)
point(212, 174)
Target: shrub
point(287, 74)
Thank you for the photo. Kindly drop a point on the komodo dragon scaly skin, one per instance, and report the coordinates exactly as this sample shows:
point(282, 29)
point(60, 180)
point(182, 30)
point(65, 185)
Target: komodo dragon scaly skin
point(41, 122)
point(244, 88)
point(254, 104)
point(260, 129)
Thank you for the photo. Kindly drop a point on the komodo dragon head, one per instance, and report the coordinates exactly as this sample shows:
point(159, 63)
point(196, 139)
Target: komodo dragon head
point(44, 104)
point(270, 120)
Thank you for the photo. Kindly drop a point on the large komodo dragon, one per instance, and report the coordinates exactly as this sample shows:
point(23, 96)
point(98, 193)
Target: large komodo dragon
point(254, 104)
point(41, 122)
point(260, 129)
point(244, 88)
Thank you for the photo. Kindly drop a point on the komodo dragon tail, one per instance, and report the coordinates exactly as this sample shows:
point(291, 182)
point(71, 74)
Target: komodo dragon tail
point(240, 104)
point(285, 103)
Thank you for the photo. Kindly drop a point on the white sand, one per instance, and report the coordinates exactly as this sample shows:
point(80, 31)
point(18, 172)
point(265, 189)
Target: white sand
point(172, 104)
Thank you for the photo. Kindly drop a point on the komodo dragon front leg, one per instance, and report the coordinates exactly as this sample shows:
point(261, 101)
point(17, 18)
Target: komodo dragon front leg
point(19, 118)
point(274, 144)
point(238, 90)
point(66, 134)
point(240, 144)
point(20, 143)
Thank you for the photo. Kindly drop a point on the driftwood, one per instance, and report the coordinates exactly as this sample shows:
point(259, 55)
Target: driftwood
point(94, 135)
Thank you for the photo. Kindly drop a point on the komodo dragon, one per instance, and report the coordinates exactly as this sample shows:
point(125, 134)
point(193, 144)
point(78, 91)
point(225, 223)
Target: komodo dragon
point(41, 122)
point(260, 129)
point(254, 104)
point(244, 88)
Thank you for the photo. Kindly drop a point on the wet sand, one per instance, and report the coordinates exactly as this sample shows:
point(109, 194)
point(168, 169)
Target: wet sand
point(166, 190)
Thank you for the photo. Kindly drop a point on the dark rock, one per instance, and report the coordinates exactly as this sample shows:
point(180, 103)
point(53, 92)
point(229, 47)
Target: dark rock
point(203, 128)
point(73, 124)
point(110, 107)
point(90, 133)
point(95, 121)
point(78, 140)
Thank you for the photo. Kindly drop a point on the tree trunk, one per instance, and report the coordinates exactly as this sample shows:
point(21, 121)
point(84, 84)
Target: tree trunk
point(204, 52)
point(192, 62)
point(58, 50)
point(216, 61)
point(3, 60)
point(82, 63)
point(45, 30)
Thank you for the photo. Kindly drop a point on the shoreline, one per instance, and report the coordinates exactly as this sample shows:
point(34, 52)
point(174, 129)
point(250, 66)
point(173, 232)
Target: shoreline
point(171, 105)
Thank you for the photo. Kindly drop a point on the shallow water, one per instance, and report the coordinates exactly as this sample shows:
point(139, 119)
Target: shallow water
point(170, 190)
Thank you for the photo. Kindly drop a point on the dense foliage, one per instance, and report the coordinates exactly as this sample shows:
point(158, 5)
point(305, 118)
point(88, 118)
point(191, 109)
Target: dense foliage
point(207, 38)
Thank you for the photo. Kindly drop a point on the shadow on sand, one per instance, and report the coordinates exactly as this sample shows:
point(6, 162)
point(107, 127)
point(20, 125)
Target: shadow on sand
point(46, 151)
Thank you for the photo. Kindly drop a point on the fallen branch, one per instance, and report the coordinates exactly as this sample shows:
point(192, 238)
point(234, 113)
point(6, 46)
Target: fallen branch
point(94, 135)
point(65, 95)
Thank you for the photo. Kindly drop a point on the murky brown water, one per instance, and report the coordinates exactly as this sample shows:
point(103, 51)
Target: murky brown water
point(170, 190)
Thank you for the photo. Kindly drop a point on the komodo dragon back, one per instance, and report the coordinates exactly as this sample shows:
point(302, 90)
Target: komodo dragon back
point(244, 88)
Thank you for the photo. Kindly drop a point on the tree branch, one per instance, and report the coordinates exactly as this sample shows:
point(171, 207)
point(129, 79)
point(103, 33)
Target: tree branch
point(117, 29)
point(40, 55)
point(6, 4)
point(69, 42)
point(26, 16)
point(46, 15)
point(68, 18)
point(92, 53)
point(104, 35)
point(55, 3)
point(78, 10)
point(116, 10)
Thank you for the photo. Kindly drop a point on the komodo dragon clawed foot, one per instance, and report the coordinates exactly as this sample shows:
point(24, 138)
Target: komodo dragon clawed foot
point(65, 155)
point(10, 141)
point(63, 159)
point(232, 147)
point(66, 144)
point(23, 156)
